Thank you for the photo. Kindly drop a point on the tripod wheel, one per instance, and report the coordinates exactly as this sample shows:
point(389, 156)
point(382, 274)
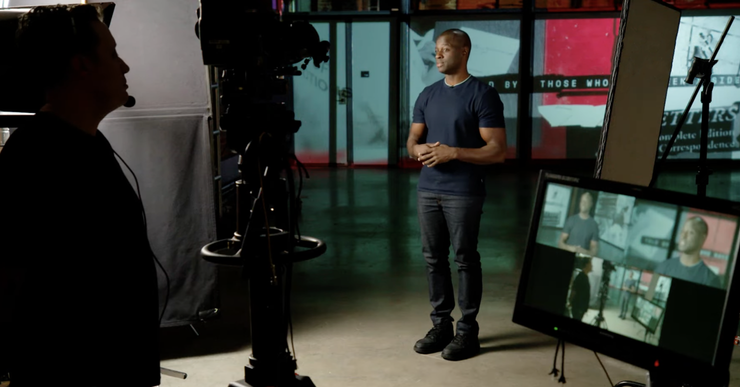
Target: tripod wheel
point(315, 248)
point(219, 251)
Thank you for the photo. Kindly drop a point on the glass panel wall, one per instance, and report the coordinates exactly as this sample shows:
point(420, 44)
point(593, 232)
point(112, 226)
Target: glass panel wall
point(423, 5)
point(370, 92)
point(616, 5)
point(578, 5)
point(311, 107)
point(360, 122)
point(494, 59)
point(299, 6)
point(697, 37)
point(343, 94)
point(572, 63)
point(571, 74)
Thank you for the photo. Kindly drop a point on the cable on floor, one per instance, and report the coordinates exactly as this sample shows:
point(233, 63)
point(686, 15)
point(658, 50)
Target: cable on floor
point(605, 371)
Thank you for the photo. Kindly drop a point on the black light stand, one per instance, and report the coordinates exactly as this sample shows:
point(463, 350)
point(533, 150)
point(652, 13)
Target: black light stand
point(700, 68)
point(664, 379)
point(263, 245)
point(599, 320)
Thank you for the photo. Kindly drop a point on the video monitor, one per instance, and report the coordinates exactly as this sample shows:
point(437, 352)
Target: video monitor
point(641, 275)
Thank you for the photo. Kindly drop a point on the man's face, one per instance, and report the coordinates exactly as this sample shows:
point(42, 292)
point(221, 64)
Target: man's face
point(691, 239)
point(586, 203)
point(450, 54)
point(105, 77)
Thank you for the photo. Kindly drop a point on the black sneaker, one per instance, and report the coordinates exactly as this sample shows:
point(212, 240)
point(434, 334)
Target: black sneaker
point(462, 347)
point(436, 340)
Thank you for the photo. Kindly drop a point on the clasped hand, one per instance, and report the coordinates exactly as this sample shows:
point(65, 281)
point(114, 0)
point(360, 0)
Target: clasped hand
point(434, 154)
point(581, 250)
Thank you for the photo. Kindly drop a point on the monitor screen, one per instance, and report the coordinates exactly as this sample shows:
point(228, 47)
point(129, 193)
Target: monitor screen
point(632, 268)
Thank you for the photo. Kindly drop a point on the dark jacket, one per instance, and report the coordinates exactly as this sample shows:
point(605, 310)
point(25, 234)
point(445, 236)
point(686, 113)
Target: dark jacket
point(87, 306)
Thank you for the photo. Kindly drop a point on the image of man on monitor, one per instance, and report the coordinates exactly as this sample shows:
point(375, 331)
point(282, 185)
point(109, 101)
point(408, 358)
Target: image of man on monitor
point(581, 232)
point(580, 291)
point(628, 289)
point(688, 265)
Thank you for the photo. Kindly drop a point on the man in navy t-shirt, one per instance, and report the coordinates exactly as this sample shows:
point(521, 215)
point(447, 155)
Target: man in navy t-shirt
point(581, 232)
point(689, 266)
point(458, 128)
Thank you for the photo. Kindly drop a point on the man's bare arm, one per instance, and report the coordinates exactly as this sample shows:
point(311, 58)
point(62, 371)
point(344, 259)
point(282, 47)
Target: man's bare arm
point(415, 133)
point(563, 245)
point(594, 248)
point(493, 152)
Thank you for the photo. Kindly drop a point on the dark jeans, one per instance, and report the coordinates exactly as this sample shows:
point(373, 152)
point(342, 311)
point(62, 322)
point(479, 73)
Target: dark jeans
point(579, 313)
point(626, 298)
point(444, 219)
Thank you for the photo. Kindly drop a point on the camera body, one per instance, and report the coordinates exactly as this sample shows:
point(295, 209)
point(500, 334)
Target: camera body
point(255, 51)
point(250, 34)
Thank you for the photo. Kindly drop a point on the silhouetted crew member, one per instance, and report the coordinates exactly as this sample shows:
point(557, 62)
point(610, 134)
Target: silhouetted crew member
point(580, 293)
point(73, 243)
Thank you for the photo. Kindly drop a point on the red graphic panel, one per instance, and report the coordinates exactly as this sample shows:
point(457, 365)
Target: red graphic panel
point(574, 47)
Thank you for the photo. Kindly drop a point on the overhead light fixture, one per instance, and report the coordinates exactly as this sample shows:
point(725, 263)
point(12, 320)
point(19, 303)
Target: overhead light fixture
point(6, 12)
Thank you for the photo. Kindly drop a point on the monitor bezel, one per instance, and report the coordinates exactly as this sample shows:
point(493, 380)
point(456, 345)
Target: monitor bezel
point(637, 353)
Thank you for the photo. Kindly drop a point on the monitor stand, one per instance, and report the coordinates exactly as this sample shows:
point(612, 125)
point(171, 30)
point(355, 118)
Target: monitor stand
point(664, 381)
point(627, 383)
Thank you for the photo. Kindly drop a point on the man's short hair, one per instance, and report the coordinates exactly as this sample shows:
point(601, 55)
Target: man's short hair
point(699, 224)
point(48, 37)
point(461, 35)
point(584, 262)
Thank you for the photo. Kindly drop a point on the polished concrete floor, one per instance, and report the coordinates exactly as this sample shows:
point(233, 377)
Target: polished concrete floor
point(359, 308)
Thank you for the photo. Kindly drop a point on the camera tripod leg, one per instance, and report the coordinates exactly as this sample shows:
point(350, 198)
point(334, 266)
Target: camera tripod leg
point(172, 373)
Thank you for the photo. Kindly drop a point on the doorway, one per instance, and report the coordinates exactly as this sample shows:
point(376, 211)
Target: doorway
point(345, 104)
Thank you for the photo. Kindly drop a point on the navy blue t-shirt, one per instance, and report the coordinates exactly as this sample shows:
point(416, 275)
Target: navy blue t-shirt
point(453, 116)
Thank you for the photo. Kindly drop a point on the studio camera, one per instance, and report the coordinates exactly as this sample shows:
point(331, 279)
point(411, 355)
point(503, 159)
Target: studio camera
point(607, 269)
point(254, 51)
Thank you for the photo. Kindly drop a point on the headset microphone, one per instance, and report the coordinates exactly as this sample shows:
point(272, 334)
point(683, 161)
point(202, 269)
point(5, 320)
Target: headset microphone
point(130, 102)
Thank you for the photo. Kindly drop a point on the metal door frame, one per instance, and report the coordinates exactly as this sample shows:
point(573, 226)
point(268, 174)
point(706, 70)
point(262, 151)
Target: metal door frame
point(393, 89)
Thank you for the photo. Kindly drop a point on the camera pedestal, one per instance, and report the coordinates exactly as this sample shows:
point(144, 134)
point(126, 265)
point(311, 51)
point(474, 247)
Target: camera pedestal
point(297, 380)
point(265, 246)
